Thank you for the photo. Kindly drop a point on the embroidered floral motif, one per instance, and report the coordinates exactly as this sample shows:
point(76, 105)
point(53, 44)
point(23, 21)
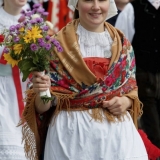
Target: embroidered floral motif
point(118, 80)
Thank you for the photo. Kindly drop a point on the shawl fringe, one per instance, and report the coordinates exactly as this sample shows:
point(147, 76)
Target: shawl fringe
point(100, 114)
point(62, 100)
point(30, 134)
point(136, 109)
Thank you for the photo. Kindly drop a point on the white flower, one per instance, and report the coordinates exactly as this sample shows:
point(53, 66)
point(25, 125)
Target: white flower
point(34, 16)
point(49, 24)
point(9, 38)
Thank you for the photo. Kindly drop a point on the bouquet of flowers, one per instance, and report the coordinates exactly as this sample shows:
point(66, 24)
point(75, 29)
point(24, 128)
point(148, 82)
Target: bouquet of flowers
point(28, 45)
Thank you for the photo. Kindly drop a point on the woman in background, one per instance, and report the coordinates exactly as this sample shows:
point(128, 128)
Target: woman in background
point(11, 90)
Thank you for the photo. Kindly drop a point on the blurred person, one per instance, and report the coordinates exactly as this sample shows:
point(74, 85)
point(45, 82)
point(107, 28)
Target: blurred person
point(93, 86)
point(140, 23)
point(11, 90)
point(120, 5)
point(59, 13)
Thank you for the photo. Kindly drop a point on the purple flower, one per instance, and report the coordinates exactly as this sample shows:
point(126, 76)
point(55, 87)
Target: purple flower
point(25, 23)
point(45, 13)
point(41, 42)
point(59, 48)
point(16, 39)
point(39, 20)
point(29, 13)
point(34, 47)
point(33, 21)
point(23, 12)
point(47, 38)
point(40, 10)
point(6, 50)
point(45, 28)
point(48, 46)
point(36, 5)
point(12, 28)
point(34, 11)
point(28, 9)
point(55, 42)
point(18, 26)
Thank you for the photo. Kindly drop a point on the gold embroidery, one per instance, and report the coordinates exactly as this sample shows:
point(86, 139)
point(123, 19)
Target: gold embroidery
point(75, 45)
point(67, 65)
point(73, 56)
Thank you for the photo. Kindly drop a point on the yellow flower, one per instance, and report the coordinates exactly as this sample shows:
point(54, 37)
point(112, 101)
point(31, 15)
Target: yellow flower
point(35, 33)
point(17, 48)
point(10, 60)
point(21, 29)
point(27, 38)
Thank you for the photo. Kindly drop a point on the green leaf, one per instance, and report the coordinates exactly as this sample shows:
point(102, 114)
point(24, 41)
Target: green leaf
point(25, 75)
point(46, 99)
point(24, 66)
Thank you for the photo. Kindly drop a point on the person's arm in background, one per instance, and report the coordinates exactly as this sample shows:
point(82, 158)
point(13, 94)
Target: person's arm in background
point(125, 22)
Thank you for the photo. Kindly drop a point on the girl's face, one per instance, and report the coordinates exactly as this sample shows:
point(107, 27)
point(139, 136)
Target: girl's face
point(93, 13)
point(15, 3)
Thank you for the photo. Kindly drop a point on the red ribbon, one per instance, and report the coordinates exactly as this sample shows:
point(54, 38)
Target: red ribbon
point(1, 38)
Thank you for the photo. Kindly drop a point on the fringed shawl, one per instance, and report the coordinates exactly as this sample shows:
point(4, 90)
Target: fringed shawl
point(77, 88)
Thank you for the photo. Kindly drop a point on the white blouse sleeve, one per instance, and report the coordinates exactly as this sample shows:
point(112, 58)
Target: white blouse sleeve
point(125, 21)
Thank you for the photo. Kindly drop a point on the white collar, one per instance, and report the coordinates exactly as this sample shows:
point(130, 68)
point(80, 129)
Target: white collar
point(155, 3)
point(92, 38)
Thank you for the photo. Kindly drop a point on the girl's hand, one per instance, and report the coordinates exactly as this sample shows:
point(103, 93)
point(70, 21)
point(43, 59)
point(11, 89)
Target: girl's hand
point(40, 82)
point(118, 105)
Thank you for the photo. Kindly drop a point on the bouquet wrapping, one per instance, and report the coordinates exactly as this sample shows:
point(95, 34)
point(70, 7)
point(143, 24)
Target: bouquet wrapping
point(29, 46)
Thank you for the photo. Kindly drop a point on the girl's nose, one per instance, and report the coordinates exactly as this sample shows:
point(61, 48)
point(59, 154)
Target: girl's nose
point(95, 5)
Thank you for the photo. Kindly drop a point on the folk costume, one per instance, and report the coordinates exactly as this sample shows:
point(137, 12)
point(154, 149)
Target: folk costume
point(84, 75)
point(11, 101)
point(141, 25)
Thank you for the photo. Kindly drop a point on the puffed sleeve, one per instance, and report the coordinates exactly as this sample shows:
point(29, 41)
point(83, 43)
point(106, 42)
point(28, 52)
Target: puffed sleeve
point(125, 22)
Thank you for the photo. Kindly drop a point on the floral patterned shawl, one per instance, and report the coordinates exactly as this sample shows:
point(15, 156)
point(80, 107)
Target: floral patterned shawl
point(77, 88)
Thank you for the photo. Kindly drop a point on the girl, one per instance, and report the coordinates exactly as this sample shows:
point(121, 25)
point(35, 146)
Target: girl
point(11, 90)
point(94, 90)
